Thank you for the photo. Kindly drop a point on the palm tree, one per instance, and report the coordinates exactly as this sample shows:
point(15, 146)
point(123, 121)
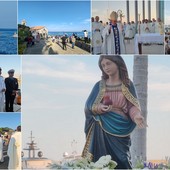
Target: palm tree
point(140, 79)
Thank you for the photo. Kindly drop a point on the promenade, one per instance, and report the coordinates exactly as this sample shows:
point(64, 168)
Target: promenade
point(48, 47)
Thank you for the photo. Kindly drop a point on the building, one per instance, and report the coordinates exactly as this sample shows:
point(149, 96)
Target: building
point(43, 32)
point(23, 22)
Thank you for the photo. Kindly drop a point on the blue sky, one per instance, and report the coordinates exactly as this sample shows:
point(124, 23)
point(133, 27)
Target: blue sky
point(11, 120)
point(8, 14)
point(10, 62)
point(61, 87)
point(56, 15)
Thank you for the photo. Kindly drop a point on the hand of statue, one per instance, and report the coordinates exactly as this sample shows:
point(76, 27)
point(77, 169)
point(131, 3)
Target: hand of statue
point(104, 108)
point(139, 120)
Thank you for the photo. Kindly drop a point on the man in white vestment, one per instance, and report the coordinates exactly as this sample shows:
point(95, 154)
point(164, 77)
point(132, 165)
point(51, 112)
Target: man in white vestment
point(113, 40)
point(97, 29)
point(1, 149)
point(129, 34)
point(153, 25)
point(146, 27)
point(14, 150)
point(159, 26)
point(2, 92)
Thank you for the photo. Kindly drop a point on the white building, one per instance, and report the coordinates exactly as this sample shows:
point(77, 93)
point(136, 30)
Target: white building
point(43, 32)
point(23, 22)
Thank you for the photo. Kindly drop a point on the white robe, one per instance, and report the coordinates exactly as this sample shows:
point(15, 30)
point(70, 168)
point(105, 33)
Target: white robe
point(152, 26)
point(2, 94)
point(97, 37)
point(129, 33)
point(159, 27)
point(14, 151)
point(108, 46)
point(1, 150)
point(134, 29)
point(146, 28)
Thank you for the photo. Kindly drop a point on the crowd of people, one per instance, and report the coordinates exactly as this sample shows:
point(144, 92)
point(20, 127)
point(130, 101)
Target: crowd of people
point(108, 38)
point(13, 145)
point(64, 39)
point(8, 91)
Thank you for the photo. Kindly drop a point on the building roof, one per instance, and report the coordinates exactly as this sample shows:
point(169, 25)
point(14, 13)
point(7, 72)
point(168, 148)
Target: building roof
point(37, 27)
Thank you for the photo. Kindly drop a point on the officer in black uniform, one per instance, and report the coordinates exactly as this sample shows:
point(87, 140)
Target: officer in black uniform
point(11, 88)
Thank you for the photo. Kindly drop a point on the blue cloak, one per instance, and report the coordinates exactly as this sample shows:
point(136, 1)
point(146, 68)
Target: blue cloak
point(108, 133)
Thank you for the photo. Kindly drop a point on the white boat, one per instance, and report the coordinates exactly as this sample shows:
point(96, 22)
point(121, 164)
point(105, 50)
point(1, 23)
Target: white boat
point(15, 35)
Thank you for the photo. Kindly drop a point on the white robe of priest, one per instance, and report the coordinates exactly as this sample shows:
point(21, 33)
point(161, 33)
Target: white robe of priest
point(1, 150)
point(108, 46)
point(2, 94)
point(129, 31)
point(14, 151)
point(159, 27)
point(146, 28)
point(97, 29)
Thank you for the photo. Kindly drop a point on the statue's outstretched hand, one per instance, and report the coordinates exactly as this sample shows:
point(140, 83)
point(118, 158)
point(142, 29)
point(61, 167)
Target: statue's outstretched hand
point(139, 120)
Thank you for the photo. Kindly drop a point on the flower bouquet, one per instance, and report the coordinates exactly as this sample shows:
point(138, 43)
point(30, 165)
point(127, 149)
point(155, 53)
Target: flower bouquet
point(104, 162)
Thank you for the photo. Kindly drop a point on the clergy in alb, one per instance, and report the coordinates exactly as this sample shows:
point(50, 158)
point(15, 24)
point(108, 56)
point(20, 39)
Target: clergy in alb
point(113, 40)
point(14, 150)
point(1, 149)
point(97, 29)
point(2, 92)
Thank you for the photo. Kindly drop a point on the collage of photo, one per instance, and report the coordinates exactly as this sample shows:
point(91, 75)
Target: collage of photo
point(87, 81)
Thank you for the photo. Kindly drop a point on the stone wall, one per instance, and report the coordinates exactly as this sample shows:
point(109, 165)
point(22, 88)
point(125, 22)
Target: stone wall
point(83, 46)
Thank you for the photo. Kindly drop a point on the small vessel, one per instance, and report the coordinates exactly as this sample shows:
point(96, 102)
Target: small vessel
point(15, 35)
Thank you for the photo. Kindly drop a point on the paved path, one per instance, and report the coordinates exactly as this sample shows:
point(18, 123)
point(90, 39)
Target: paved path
point(48, 47)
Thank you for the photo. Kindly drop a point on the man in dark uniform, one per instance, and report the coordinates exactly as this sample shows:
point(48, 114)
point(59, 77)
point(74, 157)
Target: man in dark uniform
point(11, 88)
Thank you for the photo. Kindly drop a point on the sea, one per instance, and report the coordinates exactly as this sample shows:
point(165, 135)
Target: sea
point(79, 34)
point(8, 44)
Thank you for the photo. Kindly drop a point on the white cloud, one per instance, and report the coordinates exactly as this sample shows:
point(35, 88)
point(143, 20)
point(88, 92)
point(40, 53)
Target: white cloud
point(76, 71)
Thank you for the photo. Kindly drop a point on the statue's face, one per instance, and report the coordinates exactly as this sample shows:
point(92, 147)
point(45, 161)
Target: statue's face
point(109, 67)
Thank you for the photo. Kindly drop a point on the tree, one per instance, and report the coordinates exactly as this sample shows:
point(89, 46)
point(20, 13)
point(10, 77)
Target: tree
point(140, 79)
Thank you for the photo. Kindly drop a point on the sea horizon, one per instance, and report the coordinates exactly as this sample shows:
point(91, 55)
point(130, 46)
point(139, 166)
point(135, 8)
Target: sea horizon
point(69, 33)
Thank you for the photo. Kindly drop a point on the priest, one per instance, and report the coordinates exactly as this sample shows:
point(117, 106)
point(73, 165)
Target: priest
point(97, 29)
point(14, 150)
point(2, 92)
point(1, 149)
point(113, 40)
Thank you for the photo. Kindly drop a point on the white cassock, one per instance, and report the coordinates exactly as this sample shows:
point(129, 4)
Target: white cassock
point(110, 40)
point(1, 150)
point(152, 27)
point(14, 151)
point(129, 31)
point(159, 27)
point(142, 31)
point(2, 94)
point(97, 37)
point(134, 29)
point(146, 28)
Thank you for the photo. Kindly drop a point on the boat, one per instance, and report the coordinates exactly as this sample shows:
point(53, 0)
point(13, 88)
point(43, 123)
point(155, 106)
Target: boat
point(15, 35)
point(33, 161)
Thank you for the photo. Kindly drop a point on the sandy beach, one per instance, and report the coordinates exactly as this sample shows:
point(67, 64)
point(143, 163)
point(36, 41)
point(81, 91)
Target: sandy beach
point(48, 47)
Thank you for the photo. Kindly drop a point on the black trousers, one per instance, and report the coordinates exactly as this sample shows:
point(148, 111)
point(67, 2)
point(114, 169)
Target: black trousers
point(9, 102)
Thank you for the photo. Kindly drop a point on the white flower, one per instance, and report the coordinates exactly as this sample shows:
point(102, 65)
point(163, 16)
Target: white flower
point(98, 165)
point(104, 160)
